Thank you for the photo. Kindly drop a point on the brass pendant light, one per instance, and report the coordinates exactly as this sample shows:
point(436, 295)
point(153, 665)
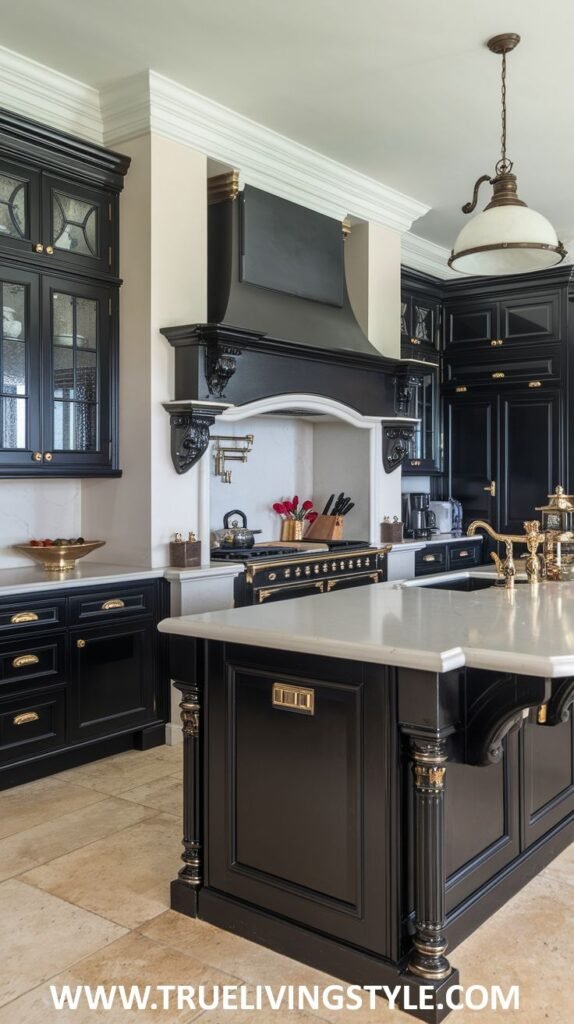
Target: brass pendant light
point(507, 237)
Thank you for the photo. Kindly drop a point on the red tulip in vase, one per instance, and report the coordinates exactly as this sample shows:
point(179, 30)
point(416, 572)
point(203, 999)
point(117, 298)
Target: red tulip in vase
point(294, 516)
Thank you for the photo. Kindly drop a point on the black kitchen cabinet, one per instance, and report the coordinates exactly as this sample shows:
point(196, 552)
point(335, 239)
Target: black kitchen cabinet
point(424, 455)
point(58, 274)
point(548, 777)
point(82, 674)
point(420, 317)
point(530, 314)
point(506, 452)
point(113, 668)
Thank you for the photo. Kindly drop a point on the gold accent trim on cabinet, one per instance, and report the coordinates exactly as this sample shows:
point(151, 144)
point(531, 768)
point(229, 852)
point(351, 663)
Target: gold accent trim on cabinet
point(534, 383)
point(223, 186)
point(20, 617)
point(23, 660)
point(26, 718)
point(287, 697)
point(461, 390)
point(542, 714)
point(112, 603)
point(80, 644)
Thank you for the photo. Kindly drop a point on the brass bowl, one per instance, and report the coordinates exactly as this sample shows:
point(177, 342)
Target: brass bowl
point(61, 557)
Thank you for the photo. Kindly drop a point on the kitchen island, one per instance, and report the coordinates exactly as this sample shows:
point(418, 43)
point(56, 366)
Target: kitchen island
point(370, 774)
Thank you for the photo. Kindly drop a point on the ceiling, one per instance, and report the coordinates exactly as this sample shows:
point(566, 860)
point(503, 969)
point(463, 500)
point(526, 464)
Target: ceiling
point(402, 90)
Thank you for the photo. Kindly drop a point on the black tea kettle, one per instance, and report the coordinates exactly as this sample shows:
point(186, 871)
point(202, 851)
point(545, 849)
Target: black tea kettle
point(233, 535)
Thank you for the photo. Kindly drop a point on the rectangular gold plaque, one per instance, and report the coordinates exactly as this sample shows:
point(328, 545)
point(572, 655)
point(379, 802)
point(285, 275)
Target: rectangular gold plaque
point(293, 698)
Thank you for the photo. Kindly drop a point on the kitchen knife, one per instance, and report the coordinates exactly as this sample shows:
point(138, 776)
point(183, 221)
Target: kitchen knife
point(344, 506)
point(348, 508)
point(328, 505)
point(335, 510)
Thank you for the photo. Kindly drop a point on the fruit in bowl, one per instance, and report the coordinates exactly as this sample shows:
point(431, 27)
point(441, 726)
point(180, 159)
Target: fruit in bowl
point(58, 555)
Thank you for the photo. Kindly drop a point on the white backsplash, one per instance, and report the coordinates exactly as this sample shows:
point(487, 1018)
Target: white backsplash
point(34, 509)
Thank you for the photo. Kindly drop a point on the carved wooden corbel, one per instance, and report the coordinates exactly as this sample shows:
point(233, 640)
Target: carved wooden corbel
point(396, 440)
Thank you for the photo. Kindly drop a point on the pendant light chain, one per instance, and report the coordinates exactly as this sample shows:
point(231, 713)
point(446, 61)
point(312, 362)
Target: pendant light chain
point(503, 166)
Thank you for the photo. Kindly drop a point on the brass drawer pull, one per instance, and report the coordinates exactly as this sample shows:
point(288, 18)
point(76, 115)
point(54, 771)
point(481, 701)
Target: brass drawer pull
point(20, 617)
point(497, 342)
point(429, 558)
point(461, 390)
point(498, 375)
point(26, 718)
point(293, 698)
point(491, 488)
point(114, 602)
point(416, 462)
point(23, 660)
point(534, 383)
point(463, 554)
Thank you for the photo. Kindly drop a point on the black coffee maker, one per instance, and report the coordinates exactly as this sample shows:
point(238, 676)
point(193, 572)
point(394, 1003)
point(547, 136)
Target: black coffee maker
point(420, 522)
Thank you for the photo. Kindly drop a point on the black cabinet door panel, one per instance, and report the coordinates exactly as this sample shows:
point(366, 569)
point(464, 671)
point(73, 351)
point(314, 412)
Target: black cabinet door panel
point(471, 323)
point(19, 208)
point(114, 679)
point(530, 319)
point(77, 226)
point(473, 441)
point(32, 724)
point(548, 777)
point(531, 462)
point(288, 829)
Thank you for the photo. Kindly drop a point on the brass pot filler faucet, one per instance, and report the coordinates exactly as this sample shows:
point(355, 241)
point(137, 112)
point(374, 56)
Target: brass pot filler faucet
point(556, 536)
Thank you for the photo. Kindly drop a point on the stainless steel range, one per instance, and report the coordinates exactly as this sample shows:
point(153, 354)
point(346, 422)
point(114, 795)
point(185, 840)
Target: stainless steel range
point(279, 573)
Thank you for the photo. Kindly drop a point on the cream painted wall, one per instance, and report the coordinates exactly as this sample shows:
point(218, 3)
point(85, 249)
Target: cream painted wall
point(163, 234)
point(178, 296)
point(373, 268)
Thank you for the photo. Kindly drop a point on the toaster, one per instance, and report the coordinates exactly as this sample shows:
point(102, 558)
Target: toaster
point(443, 515)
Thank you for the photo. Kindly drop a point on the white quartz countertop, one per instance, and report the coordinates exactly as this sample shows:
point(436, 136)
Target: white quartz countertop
point(86, 573)
point(529, 630)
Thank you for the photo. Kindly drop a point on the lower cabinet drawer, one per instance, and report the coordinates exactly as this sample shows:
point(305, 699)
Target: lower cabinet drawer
point(23, 663)
point(113, 603)
point(26, 614)
point(32, 723)
point(431, 559)
point(464, 555)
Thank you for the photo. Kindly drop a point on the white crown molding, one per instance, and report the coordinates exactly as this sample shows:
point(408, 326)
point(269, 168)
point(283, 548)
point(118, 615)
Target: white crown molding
point(267, 160)
point(421, 254)
point(39, 92)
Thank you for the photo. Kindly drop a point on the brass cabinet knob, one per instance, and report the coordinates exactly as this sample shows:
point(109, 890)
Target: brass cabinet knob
point(37, 456)
point(48, 456)
point(49, 250)
point(38, 247)
point(80, 644)
point(497, 342)
point(491, 488)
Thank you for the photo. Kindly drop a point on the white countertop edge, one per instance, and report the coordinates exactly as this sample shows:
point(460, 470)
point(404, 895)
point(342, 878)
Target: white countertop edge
point(428, 661)
point(173, 574)
point(520, 664)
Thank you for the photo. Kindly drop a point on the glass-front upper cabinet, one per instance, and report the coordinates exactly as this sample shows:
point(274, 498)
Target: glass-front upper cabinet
point(77, 374)
point(19, 207)
point(424, 450)
point(78, 225)
point(19, 369)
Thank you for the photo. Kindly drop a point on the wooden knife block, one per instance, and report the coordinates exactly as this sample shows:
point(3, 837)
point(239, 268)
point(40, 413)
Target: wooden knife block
point(326, 528)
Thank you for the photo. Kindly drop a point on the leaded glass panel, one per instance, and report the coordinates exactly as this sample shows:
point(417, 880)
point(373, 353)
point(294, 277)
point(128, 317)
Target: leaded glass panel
point(75, 372)
point(13, 366)
point(75, 225)
point(13, 207)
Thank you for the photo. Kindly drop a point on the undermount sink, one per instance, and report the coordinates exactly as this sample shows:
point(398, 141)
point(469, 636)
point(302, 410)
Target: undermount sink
point(465, 582)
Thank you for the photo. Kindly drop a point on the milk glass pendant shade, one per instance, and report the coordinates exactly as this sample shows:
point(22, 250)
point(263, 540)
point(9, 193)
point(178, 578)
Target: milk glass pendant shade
point(507, 237)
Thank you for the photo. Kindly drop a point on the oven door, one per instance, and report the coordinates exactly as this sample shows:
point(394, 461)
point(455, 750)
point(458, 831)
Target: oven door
point(264, 595)
point(360, 579)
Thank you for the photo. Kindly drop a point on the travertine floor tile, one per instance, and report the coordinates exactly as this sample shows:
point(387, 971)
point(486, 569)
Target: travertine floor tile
point(25, 850)
point(25, 806)
point(113, 775)
point(124, 877)
point(563, 866)
point(132, 960)
point(41, 935)
point(165, 794)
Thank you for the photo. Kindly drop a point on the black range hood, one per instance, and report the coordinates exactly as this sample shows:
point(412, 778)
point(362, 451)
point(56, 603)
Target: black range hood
point(277, 307)
point(280, 320)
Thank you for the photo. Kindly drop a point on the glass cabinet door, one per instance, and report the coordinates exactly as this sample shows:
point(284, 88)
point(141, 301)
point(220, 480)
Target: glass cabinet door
point(424, 453)
point(19, 368)
point(78, 321)
point(78, 225)
point(19, 207)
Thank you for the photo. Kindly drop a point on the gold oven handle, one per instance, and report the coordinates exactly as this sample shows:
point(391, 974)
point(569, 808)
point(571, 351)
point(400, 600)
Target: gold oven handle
point(23, 660)
point(114, 602)
point(263, 595)
point(26, 718)
point(20, 617)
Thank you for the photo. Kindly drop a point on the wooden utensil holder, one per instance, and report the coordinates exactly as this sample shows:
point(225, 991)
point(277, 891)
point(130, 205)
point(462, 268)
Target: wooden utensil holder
point(326, 528)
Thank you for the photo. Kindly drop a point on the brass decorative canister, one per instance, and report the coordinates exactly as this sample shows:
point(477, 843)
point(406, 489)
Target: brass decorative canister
point(558, 528)
point(292, 529)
